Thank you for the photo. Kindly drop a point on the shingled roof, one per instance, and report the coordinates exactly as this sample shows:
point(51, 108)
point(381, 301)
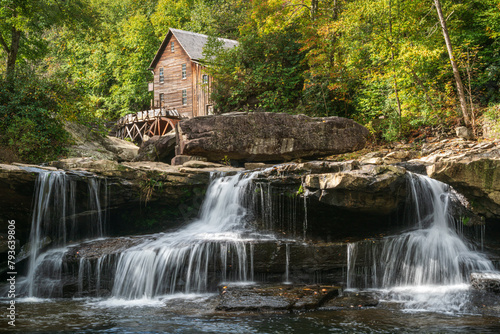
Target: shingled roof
point(191, 42)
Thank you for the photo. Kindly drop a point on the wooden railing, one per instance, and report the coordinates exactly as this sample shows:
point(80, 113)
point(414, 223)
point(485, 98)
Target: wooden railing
point(154, 122)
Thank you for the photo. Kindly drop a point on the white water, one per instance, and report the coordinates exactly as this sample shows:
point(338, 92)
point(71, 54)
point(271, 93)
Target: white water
point(187, 260)
point(424, 269)
point(427, 268)
point(54, 200)
point(287, 264)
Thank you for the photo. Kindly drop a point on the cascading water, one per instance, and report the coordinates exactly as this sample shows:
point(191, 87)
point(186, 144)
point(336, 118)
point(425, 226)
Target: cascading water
point(53, 224)
point(427, 268)
point(277, 208)
point(188, 260)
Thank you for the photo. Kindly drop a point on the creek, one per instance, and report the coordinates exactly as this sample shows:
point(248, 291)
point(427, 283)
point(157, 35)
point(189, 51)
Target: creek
point(169, 282)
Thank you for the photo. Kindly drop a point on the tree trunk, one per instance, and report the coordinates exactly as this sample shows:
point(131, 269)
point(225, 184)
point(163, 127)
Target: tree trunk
point(396, 91)
point(13, 51)
point(456, 73)
point(314, 9)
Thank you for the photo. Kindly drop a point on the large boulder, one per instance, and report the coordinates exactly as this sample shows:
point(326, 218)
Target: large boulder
point(478, 179)
point(372, 189)
point(263, 136)
point(157, 149)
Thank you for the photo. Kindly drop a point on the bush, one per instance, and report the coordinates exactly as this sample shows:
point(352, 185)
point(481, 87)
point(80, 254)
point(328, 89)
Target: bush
point(30, 117)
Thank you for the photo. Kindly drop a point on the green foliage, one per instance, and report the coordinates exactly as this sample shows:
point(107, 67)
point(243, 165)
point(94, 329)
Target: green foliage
point(109, 62)
point(226, 161)
point(31, 119)
point(300, 191)
point(382, 62)
point(150, 184)
point(263, 72)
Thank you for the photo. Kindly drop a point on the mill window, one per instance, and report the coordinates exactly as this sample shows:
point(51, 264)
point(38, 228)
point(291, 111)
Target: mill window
point(184, 97)
point(183, 71)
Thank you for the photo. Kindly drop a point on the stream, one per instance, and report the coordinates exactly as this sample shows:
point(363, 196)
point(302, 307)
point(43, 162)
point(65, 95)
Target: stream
point(167, 283)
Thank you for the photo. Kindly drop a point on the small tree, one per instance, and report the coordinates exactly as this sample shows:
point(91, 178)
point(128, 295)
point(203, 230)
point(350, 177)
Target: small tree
point(456, 73)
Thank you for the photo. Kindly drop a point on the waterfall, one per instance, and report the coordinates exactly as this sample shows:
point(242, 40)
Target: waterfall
point(287, 264)
point(209, 250)
point(278, 208)
point(55, 200)
point(431, 259)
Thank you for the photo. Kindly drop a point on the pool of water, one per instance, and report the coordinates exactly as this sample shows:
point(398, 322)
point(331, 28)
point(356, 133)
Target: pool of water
point(191, 314)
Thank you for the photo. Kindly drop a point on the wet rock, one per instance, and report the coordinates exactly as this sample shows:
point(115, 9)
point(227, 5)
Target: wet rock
point(139, 192)
point(352, 300)
point(260, 136)
point(234, 298)
point(16, 192)
point(413, 167)
point(91, 250)
point(240, 299)
point(195, 305)
point(486, 281)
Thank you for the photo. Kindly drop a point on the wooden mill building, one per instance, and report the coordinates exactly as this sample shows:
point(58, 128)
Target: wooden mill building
point(180, 81)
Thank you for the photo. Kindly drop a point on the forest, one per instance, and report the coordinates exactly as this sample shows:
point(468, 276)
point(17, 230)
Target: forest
point(395, 66)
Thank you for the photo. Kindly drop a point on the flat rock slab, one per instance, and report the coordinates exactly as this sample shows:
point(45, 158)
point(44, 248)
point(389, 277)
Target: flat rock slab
point(262, 136)
point(486, 281)
point(243, 298)
point(351, 301)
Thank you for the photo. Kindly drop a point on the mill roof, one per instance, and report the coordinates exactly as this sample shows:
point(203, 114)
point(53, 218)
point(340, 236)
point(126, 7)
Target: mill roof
point(191, 42)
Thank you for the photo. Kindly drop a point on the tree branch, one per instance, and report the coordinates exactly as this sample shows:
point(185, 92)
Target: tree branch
point(4, 44)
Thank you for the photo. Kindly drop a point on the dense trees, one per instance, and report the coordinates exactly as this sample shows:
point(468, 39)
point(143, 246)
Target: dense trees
point(385, 63)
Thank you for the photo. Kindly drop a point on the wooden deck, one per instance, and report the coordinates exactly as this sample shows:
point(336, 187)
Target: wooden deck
point(155, 122)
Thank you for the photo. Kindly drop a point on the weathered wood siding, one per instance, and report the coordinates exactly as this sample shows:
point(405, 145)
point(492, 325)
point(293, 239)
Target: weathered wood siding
point(201, 96)
point(173, 84)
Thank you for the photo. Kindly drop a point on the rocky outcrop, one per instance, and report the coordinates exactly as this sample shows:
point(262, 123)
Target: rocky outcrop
point(370, 189)
point(89, 144)
point(471, 168)
point(478, 179)
point(157, 149)
point(16, 192)
point(262, 136)
point(142, 196)
point(486, 281)
point(342, 200)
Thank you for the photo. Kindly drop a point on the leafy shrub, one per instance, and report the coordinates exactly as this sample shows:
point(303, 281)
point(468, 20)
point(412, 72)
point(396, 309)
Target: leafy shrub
point(31, 119)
